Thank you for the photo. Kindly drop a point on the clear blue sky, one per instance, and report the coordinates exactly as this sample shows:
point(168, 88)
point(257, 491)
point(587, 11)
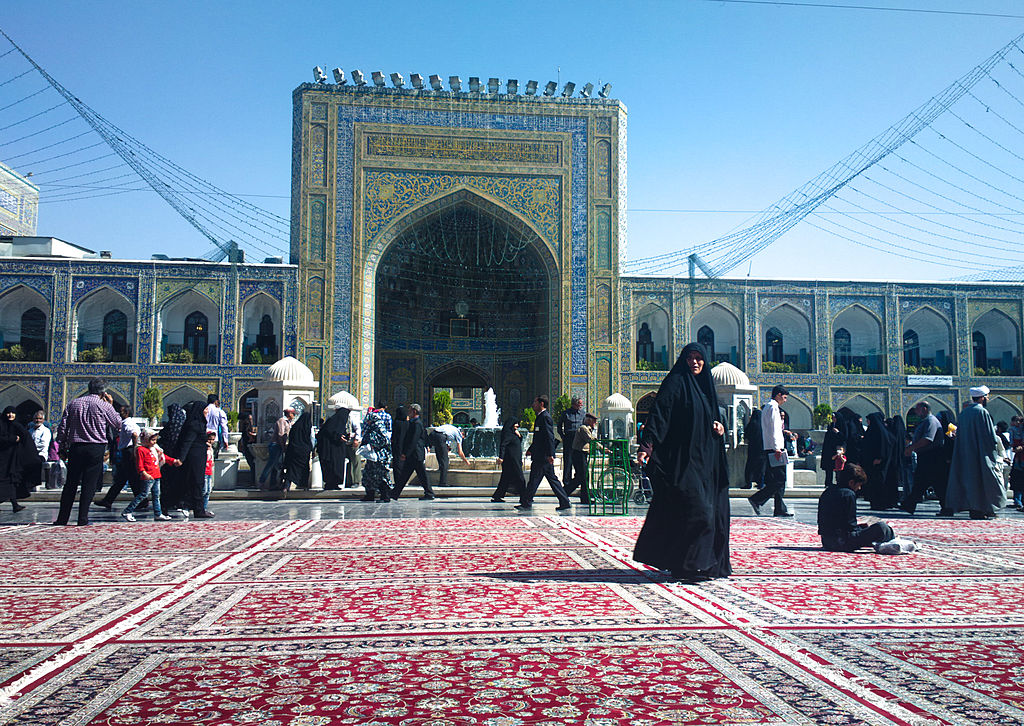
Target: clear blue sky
point(731, 105)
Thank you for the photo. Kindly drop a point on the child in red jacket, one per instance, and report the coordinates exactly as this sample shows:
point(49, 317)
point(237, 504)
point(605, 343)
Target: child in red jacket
point(149, 459)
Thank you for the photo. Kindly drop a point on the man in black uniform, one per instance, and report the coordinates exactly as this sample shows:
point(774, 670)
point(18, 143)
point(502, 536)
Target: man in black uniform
point(837, 515)
point(413, 454)
point(542, 453)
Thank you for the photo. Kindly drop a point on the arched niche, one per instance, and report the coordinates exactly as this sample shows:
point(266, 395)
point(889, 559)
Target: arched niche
point(786, 341)
point(857, 342)
point(182, 395)
point(21, 398)
point(927, 343)
point(800, 418)
point(937, 406)
point(104, 319)
point(25, 320)
point(718, 325)
point(644, 406)
point(190, 321)
point(651, 337)
point(1001, 410)
point(995, 345)
point(862, 405)
point(261, 330)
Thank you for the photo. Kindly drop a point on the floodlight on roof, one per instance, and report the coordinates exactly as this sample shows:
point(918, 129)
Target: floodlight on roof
point(378, 79)
point(435, 82)
point(339, 76)
point(531, 88)
point(474, 84)
point(455, 83)
point(492, 85)
point(512, 87)
point(550, 88)
point(606, 89)
point(587, 90)
point(397, 80)
point(318, 75)
point(357, 78)
point(416, 80)
point(569, 89)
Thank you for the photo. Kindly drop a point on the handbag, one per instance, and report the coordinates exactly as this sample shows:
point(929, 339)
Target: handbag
point(367, 452)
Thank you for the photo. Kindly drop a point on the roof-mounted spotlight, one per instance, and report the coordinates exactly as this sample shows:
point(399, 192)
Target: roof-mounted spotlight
point(357, 78)
point(416, 80)
point(587, 90)
point(339, 76)
point(474, 84)
point(569, 89)
point(455, 83)
point(318, 75)
point(531, 88)
point(492, 85)
point(606, 89)
point(512, 87)
point(550, 88)
point(378, 79)
point(435, 82)
point(397, 80)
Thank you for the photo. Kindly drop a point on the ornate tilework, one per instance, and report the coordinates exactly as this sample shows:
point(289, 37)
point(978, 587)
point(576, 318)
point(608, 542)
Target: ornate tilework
point(318, 155)
point(422, 146)
point(81, 286)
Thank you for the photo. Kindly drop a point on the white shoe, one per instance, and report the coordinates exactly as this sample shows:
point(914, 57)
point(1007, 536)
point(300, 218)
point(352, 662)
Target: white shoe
point(162, 518)
point(184, 514)
point(129, 516)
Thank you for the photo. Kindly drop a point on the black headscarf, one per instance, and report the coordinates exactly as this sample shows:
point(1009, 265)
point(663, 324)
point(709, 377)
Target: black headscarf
point(510, 441)
point(300, 436)
point(853, 431)
point(171, 433)
point(899, 433)
point(687, 526)
point(753, 435)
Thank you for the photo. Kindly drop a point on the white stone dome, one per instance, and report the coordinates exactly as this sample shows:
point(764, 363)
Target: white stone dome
point(344, 399)
point(290, 372)
point(617, 402)
point(726, 374)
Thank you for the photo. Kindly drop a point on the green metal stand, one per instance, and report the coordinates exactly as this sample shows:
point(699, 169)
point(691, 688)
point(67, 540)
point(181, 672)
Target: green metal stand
point(609, 479)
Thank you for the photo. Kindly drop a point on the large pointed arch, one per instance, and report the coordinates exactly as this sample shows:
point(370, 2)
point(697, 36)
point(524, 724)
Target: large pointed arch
point(18, 306)
point(260, 329)
point(90, 325)
point(865, 351)
point(927, 341)
point(175, 315)
point(999, 339)
point(725, 326)
point(793, 335)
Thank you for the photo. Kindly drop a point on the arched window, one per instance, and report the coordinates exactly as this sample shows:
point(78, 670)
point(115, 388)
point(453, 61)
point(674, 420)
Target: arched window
point(842, 354)
point(197, 336)
point(115, 335)
point(773, 346)
point(980, 349)
point(33, 333)
point(706, 337)
point(644, 344)
point(911, 348)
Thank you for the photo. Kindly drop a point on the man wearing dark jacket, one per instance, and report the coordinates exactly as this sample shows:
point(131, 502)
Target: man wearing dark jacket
point(837, 515)
point(413, 454)
point(568, 425)
point(542, 453)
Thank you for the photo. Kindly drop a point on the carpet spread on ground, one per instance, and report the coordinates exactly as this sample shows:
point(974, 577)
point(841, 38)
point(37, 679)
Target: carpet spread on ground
point(538, 621)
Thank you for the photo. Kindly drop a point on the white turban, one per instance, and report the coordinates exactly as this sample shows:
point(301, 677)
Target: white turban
point(979, 391)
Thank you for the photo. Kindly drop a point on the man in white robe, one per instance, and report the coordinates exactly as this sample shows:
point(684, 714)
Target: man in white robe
point(975, 483)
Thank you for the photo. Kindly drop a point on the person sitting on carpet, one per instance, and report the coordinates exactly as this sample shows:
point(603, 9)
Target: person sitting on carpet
point(837, 515)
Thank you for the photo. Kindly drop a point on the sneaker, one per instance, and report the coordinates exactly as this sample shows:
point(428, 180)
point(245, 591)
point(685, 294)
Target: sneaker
point(183, 513)
point(162, 518)
point(129, 516)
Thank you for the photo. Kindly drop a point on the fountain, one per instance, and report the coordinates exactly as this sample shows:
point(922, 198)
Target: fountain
point(482, 441)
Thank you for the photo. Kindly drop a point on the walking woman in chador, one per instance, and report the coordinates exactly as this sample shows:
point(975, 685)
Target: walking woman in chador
point(687, 527)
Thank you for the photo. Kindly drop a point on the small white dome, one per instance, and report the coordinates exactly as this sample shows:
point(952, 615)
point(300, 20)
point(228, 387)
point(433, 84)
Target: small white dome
point(617, 402)
point(344, 399)
point(726, 374)
point(290, 371)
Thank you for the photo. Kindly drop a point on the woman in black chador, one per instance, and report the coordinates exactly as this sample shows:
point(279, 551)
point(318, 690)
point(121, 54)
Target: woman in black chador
point(12, 434)
point(881, 455)
point(510, 456)
point(687, 525)
point(192, 450)
point(753, 472)
point(332, 445)
point(299, 450)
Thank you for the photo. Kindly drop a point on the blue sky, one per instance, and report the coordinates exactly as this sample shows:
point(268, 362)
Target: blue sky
point(731, 105)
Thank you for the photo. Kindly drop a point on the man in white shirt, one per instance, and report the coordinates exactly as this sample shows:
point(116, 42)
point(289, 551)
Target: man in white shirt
point(774, 443)
point(41, 438)
point(216, 421)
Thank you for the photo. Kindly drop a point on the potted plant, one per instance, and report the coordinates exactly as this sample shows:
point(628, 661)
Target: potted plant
point(152, 404)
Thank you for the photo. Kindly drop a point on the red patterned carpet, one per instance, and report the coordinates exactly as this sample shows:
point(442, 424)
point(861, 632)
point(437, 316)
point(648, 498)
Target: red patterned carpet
point(530, 621)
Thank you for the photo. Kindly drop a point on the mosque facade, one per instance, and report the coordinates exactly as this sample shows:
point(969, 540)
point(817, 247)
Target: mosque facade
point(444, 239)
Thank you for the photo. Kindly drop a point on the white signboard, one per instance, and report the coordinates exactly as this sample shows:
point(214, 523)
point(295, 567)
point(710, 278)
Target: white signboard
point(929, 380)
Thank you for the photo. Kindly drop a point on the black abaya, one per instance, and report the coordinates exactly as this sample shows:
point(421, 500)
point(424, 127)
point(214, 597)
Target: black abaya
point(881, 489)
point(753, 472)
point(332, 448)
point(510, 451)
point(10, 460)
point(904, 475)
point(192, 448)
point(687, 526)
point(299, 451)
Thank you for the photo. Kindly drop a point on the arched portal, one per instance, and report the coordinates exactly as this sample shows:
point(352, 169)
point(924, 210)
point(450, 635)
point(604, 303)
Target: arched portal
point(463, 287)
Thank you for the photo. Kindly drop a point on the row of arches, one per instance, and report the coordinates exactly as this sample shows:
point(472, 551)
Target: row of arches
point(104, 325)
point(858, 341)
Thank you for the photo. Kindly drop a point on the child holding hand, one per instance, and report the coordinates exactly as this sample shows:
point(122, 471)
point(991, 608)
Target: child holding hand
point(149, 459)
